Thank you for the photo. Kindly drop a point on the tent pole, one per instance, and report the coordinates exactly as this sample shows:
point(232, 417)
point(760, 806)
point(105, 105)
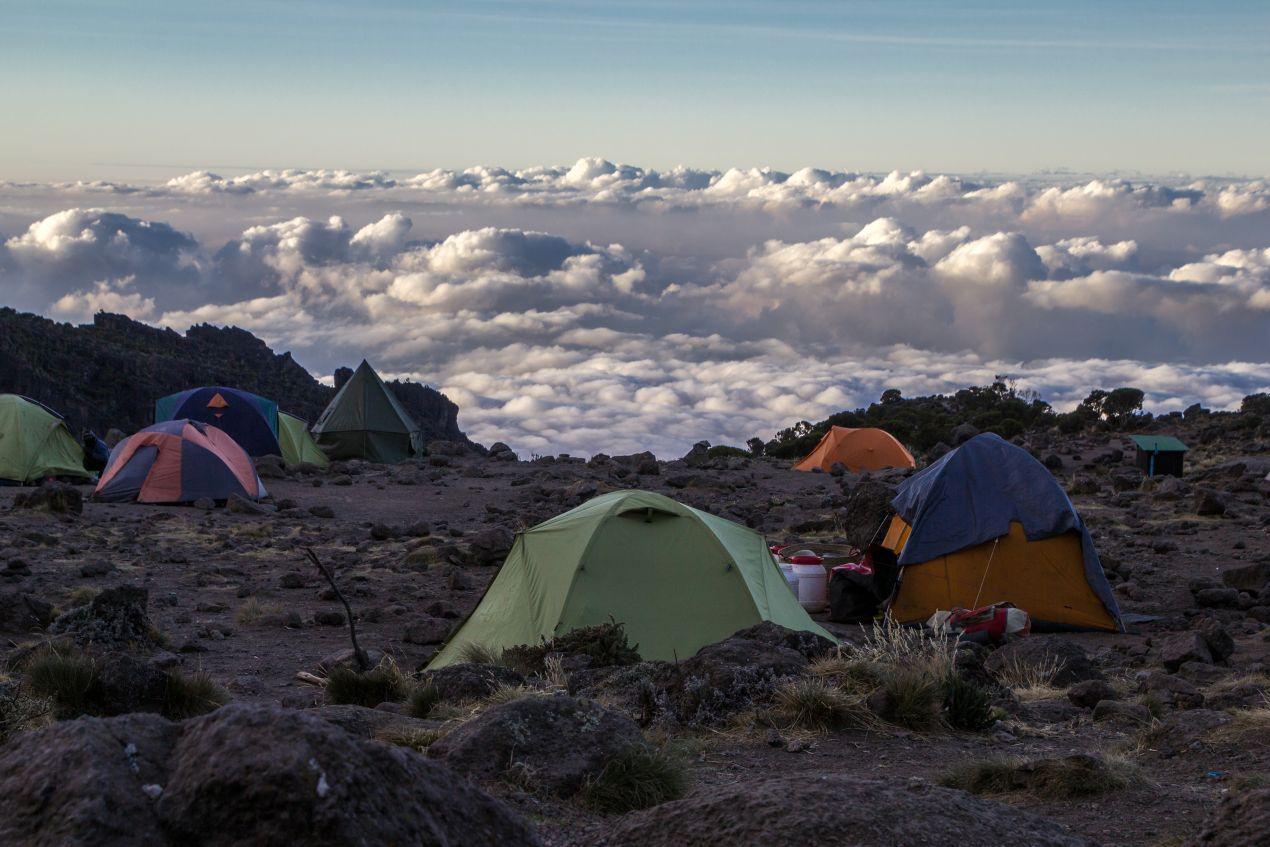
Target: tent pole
point(986, 568)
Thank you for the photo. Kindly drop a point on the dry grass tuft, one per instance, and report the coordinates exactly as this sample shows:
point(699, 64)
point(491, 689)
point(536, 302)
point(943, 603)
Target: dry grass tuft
point(639, 777)
point(418, 740)
point(63, 677)
point(480, 654)
point(1064, 778)
point(1031, 680)
point(191, 696)
point(252, 611)
point(813, 704)
point(381, 684)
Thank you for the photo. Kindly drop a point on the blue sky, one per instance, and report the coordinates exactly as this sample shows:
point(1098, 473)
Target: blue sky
point(106, 88)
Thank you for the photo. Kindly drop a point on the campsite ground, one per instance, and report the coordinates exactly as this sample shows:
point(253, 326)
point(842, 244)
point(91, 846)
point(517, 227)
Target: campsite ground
point(233, 595)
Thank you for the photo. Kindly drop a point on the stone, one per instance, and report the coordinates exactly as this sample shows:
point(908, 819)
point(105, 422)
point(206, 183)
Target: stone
point(22, 613)
point(762, 811)
point(240, 775)
point(329, 617)
point(1241, 820)
point(556, 740)
point(292, 579)
point(1120, 712)
point(1182, 647)
point(1172, 691)
point(465, 681)
point(98, 567)
point(1090, 693)
point(325, 512)
point(241, 505)
point(1218, 598)
point(1043, 651)
point(1209, 504)
point(54, 497)
point(426, 630)
point(1217, 639)
point(206, 504)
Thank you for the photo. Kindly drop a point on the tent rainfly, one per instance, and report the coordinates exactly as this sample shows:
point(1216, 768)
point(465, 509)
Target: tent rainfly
point(298, 447)
point(248, 418)
point(677, 578)
point(366, 421)
point(865, 449)
point(35, 443)
point(987, 523)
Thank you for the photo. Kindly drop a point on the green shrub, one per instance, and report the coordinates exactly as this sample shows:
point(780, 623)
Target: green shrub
point(64, 677)
point(639, 777)
point(191, 696)
point(967, 705)
point(725, 451)
point(913, 696)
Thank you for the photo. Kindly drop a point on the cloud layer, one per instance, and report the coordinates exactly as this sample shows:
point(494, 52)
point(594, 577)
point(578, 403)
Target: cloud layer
point(608, 307)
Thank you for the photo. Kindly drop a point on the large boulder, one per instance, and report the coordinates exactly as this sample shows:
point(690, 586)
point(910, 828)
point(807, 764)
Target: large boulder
point(1247, 577)
point(556, 741)
point(241, 775)
point(1041, 652)
point(1242, 820)
point(1176, 650)
point(793, 811)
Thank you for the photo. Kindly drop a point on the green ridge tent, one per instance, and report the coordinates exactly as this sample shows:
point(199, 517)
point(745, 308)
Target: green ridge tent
point(678, 578)
point(366, 421)
point(35, 443)
point(296, 443)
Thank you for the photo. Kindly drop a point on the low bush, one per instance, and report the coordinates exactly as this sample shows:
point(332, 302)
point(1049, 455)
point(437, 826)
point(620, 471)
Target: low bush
point(422, 700)
point(480, 654)
point(639, 777)
point(383, 683)
point(604, 644)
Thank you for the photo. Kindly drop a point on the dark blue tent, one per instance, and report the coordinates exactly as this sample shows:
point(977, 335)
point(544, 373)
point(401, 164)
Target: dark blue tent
point(249, 419)
point(973, 494)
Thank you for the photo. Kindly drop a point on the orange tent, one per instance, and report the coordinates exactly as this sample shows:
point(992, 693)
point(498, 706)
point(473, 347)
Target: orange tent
point(858, 449)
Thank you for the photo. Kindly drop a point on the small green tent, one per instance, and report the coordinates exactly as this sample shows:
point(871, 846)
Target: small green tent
point(35, 443)
point(676, 577)
point(298, 447)
point(366, 421)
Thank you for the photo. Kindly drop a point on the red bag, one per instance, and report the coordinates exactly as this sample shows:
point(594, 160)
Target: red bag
point(993, 624)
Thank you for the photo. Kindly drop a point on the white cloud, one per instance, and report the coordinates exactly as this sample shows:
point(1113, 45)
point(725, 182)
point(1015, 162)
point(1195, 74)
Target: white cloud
point(606, 306)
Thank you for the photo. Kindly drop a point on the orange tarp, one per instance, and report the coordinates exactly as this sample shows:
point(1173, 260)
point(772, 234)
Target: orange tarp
point(1044, 578)
point(867, 449)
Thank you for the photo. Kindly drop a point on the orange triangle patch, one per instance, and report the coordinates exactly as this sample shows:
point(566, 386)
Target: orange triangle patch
point(217, 402)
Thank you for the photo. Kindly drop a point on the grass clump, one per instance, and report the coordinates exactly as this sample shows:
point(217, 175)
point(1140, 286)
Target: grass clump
point(637, 778)
point(422, 700)
point(1030, 680)
point(813, 704)
point(505, 693)
point(1066, 778)
point(418, 740)
point(383, 683)
point(967, 705)
point(480, 654)
point(252, 612)
point(81, 595)
point(191, 696)
point(1246, 726)
point(64, 678)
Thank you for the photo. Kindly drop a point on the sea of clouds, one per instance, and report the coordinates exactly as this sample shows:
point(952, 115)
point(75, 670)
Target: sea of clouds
point(610, 307)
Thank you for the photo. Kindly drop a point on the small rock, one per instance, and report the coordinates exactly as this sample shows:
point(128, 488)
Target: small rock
point(329, 617)
point(1090, 693)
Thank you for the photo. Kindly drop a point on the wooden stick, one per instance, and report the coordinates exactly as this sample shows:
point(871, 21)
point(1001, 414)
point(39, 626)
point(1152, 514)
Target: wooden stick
point(363, 661)
point(310, 679)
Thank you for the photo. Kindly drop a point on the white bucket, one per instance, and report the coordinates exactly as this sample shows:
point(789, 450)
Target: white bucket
point(813, 586)
point(791, 578)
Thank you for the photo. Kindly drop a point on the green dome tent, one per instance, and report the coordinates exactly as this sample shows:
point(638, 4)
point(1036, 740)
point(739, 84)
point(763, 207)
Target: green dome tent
point(35, 443)
point(298, 447)
point(676, 577)
point(366, 421)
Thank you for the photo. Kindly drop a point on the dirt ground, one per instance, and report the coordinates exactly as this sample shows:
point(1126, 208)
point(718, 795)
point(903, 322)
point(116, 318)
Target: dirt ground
point(234, 595)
